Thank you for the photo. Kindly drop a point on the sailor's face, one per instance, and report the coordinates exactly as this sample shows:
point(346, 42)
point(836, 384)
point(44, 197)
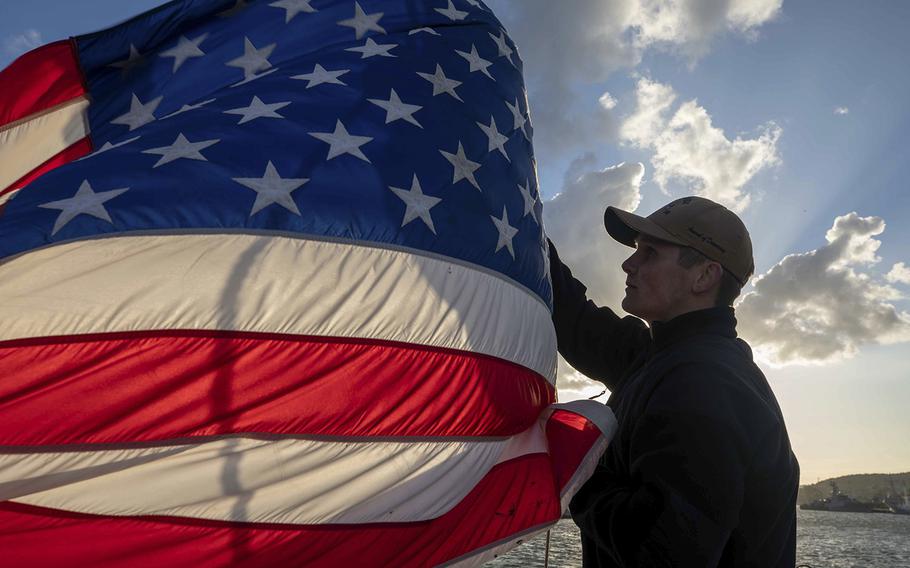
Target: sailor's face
point(656, 285)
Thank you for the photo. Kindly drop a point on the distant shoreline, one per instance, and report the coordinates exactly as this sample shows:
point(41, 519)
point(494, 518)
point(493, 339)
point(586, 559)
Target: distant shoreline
point(875, 491)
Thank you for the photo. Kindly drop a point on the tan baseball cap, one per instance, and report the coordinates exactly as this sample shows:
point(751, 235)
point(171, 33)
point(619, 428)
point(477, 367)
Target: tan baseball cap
point(708, 227)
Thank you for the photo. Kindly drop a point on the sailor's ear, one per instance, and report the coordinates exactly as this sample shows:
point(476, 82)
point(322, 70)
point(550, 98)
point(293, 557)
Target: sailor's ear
point(708, 277)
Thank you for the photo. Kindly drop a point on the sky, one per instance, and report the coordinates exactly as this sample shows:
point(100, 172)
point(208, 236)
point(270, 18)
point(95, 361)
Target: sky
point(794, 114)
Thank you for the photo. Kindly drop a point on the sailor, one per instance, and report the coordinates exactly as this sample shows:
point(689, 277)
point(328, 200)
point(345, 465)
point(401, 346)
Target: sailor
point(700, 472)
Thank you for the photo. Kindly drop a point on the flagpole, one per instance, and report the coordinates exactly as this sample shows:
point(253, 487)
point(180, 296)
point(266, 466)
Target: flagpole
point(546, 553)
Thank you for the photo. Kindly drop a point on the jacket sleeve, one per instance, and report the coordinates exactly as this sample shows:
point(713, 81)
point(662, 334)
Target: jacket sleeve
point(689, 457)
point(593, 339)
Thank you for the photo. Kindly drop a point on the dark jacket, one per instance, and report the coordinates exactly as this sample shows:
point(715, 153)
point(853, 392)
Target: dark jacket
point(700, 472)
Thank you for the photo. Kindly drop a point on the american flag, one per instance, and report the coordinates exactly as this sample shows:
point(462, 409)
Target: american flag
point(274, 291)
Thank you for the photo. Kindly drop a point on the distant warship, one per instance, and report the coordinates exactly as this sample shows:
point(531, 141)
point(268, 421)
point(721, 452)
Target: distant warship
point(840, 502)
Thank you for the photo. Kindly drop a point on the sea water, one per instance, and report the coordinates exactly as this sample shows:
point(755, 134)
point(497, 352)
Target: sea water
point(823, 540)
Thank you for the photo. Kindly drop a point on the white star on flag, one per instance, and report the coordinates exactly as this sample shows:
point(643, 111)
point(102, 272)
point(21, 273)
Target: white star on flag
point(477, 62)
point(181, 148)
point(502, 46)
point(464, 168)
point(451, 13)
point(184, 49)
point(134, 60)
point(520, 119)
point(320, 76)
point(341, 142)
point(416, 204)
point(441, 83)
point(529, 201)
point(362, 22)
point(86, 201)
point(371, 48)
point(139, 113)
point(272, 188)
point(395, 109)
point(293, 8)
point(258, 109)
point(506, 232)
point(253, 60)
point(496, 139)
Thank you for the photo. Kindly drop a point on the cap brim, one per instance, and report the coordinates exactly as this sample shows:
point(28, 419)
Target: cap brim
point(625, 227)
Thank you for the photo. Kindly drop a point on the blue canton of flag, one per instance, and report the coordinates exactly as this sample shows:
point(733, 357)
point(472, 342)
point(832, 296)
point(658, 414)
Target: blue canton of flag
point(411, 137)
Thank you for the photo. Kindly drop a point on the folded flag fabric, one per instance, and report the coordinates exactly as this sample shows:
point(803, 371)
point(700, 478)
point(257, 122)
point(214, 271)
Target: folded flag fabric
point(274, 292)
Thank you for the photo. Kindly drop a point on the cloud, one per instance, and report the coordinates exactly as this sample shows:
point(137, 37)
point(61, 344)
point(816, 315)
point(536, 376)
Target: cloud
point(822, 305)
point(607, 101)
point(899, 274)
point(574, 222)
point(564, 49)
point(648, 121)
point(841, 110)
point(690, 26)
point(572, 385)
point(691, 151)
point(568, 46)
point(26, 41)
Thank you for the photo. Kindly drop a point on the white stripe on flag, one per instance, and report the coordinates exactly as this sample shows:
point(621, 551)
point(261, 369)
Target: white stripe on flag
point(272, 284)
point(294, 481)
point(26, 144)
point(8, 195)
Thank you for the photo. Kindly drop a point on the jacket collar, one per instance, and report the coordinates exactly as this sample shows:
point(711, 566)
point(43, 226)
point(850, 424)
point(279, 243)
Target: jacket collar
point(716, 321)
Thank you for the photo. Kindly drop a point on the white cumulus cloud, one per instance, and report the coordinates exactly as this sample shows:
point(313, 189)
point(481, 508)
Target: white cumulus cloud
point(691, 151)
point(574, 222)
point(649, 120)
point(607, 101)
point(841, 110)
point(568, 45)
point(572, 384)
point(690, 26)
point(20, 43)
point(823, 305)
point(899, 274)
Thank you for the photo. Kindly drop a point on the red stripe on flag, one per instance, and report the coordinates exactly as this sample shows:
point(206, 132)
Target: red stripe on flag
point(570, 437)
point(131, 387)
point(76, 151)
point(39, 80)
point(513, 497)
